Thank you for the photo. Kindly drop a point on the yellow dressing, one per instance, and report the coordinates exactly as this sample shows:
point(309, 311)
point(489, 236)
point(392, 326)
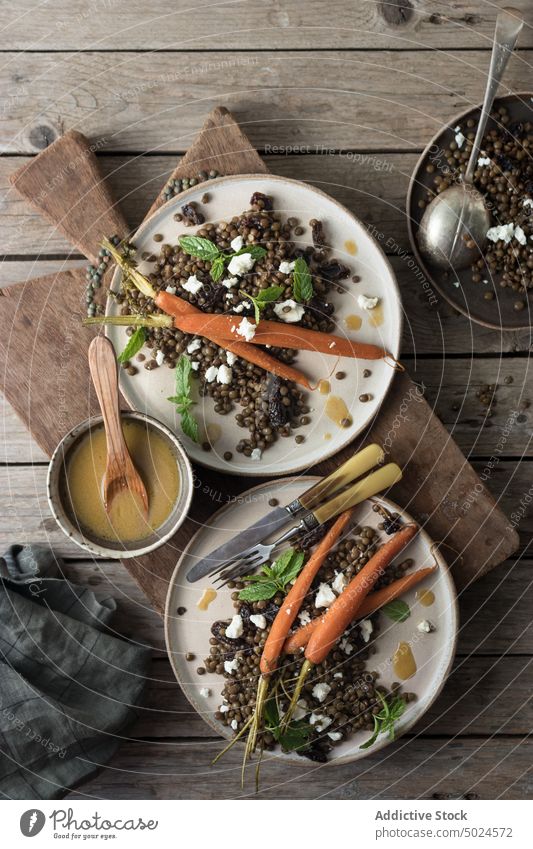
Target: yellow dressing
point(208, 596)
point(425, 597)
point(83, 473)
point(338, 412)
point(403, 662)
point(376, 316)
point(353, 322)
point(351, 247)
point(324, 387)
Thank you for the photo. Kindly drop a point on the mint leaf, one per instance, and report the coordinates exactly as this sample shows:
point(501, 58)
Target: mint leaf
point(282, 562)
point(133, 346)
point(189, 426)
point(294, 567)
point(182, 399)
point(199, 247)
point(266, 296)
point(295, 736)
point(302, 284)
point(217, 268)
point(258, 591)
point(256, 251)
point(384, 721)
point(397, 610)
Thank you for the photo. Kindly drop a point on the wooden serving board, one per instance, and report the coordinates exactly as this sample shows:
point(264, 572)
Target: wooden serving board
point(46, 378)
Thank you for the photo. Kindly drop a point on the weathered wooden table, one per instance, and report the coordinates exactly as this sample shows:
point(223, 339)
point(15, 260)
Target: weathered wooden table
point(344, 95)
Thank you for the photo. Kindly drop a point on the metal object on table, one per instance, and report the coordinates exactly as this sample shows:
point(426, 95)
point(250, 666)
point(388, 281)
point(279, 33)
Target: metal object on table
point(355, 467)
point(454, 226)
point(376, 482)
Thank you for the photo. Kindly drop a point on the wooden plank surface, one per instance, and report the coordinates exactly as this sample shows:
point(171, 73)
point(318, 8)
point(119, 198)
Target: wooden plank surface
point(286, 24)
point(158, 101)
point(421, 769)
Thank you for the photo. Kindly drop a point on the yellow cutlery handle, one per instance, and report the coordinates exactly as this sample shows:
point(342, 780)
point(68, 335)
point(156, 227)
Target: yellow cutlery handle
point(376, 482)
point(355, 467)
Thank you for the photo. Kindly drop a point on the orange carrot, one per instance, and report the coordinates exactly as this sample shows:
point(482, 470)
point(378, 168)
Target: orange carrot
point(347, 605)
point(173, 305)
point(294, 598)
point(279, 335)
point(371, 603)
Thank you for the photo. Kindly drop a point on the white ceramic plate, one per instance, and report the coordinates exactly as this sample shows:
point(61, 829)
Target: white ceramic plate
point(191, 632)
point(148, 391)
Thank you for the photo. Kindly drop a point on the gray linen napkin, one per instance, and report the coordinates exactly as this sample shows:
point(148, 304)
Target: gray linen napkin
point(68, 686)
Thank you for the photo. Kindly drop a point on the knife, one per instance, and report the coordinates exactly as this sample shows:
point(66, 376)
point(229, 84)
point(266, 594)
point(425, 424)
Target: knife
point(277, 518)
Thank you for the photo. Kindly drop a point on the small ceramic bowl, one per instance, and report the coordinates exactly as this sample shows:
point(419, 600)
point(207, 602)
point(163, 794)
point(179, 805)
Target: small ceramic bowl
point(108, 548)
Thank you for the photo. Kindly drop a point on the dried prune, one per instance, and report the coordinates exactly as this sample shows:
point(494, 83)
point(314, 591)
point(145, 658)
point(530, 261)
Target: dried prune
point(262, 201)
point(191, 214)
point(333, 271)
point(211, 293)
point(278, 412)
point(317, 231)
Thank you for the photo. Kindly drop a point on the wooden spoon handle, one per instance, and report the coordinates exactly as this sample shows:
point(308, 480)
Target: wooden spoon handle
point(103, 366)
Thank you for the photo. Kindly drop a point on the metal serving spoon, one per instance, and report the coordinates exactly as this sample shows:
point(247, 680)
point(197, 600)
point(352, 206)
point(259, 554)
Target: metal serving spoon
point(459, 215)
point(120, 471)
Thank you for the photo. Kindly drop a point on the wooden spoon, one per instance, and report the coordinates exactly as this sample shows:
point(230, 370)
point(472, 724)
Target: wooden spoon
point(120, 471)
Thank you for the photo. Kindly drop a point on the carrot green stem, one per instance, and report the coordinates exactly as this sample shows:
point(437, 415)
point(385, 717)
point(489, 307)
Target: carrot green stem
point(232, 743)
point(158, 320)
point(304, 672)
point(130, 270)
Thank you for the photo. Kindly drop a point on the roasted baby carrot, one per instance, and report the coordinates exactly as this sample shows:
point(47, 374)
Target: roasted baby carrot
point(294, 598)
point(347, 605)
point(371, 603)
point(279, 335)
point(177, 307)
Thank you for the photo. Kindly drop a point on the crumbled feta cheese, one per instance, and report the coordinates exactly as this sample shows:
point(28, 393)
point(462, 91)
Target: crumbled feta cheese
point(339, 583)
point(234, 724)
point(425, 627)
point(160, 358)
point(338, 675)
point(231, 665)
point(527, 202)
point(211, 374)
point(235, 628)
point(223, 708)
point(238, 308)
point(195, 366)
point(230, 282)
point(205, 692)
point(259, 621)
point(366, 629)
point(194, 346)
point(231, 358)
point(193, 285)
point(246, 329)
point(300, 710)
point(304, 617)
point(256, 454)
point(501, 233)
point(286, 267)
point(320, 691)
point(346, 646)
point(225, 375)
point(319, 721)
point(483, 160)
point(459, 137)
point(325, 596)
point(520, 236)
point(289, 311)
point(236, 243)
point(240, 264)
point(366, 302)
point(171, 290)
point(456, 283)
point(335, 736)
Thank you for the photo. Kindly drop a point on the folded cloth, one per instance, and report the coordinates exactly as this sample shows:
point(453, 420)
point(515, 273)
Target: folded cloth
point(68, 684)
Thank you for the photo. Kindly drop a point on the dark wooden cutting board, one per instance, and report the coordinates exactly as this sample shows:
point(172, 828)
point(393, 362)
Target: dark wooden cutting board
point(46, 379)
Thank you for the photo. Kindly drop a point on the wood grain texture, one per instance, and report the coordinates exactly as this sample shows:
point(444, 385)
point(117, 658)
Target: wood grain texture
point(63, 184)
point(178, 769)
point(260, 24)
point(309, 101)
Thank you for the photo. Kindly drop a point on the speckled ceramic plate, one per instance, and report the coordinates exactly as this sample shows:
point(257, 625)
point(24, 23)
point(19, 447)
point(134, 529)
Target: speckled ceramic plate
point(190, 632)
point(458, 289)
point(147, 391)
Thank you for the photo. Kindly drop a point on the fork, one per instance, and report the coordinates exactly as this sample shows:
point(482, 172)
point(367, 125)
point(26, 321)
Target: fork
point(256, 555)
